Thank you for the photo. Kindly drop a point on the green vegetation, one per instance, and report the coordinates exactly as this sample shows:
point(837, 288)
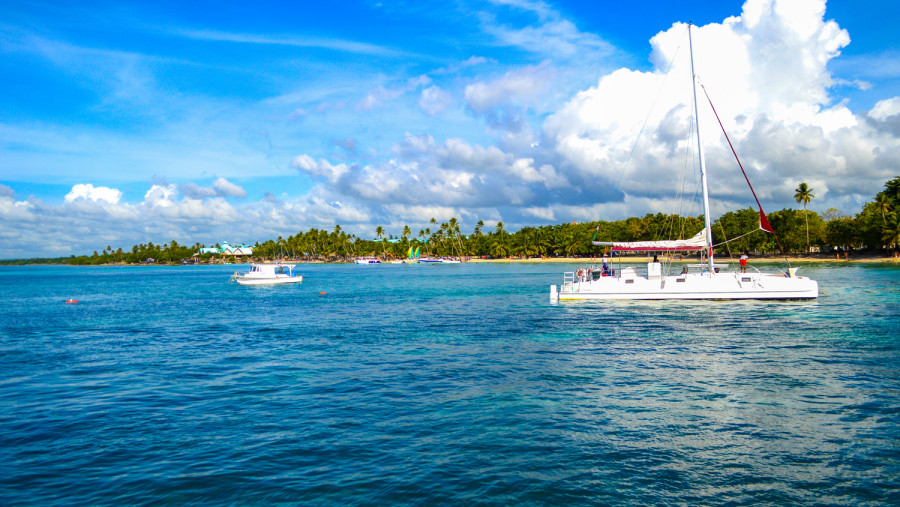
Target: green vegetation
point(874, 229)
point(171, 253)
point(446, 239)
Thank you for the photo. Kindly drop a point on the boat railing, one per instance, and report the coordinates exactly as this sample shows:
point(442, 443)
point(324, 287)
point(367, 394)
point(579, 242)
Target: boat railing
point(568, 280)
point(640, 270)
point(789, 272)
point(704, 268)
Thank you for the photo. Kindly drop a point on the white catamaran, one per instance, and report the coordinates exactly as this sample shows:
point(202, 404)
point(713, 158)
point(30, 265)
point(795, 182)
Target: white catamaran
point(695, 281)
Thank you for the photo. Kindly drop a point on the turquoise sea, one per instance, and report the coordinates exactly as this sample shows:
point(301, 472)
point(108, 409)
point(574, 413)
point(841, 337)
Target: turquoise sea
point(441, 385)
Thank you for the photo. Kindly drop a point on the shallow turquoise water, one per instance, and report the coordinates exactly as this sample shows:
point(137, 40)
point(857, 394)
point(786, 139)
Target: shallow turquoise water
point(456, 384)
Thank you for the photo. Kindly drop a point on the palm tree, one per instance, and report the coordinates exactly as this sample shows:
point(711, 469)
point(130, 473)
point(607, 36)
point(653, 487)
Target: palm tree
point(349, 243)
point(883, 204)
point(803, 194)
point(379, 234)
point(458, 234)
point(280, 242)
point(891, 234)
point(571, 246)
point(542, 246)
point(499, 250)
point(452, 227)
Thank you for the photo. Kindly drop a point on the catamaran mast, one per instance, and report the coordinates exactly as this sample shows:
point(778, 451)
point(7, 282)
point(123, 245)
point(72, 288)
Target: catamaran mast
point(703, 183)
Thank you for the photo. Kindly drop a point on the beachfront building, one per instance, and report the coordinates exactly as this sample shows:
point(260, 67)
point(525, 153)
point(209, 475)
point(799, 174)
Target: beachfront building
point(228, 250)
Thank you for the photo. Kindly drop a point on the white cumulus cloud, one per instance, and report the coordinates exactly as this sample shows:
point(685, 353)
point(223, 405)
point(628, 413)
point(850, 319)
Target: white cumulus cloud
point(322, 168)
point(434, 101)
point(227, 188)
point(522, 86)
point(885, 109)
point(88, 191)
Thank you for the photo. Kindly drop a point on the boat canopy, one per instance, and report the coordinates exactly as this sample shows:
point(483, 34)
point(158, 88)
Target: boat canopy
point(698, 242)
point(273, 269)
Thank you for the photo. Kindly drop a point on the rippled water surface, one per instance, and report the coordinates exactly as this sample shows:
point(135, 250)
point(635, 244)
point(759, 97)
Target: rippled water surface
point(457, 384)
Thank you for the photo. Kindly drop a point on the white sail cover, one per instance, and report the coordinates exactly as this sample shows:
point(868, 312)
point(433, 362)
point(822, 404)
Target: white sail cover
point(698, 242)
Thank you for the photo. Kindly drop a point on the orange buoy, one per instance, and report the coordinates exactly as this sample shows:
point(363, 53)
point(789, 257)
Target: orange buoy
point(321, 293)
point(71, 301)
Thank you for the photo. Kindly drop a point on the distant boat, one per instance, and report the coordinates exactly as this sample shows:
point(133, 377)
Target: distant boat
point(442, 260)
point(367, 260)
point(268, 274)
point(696, 281)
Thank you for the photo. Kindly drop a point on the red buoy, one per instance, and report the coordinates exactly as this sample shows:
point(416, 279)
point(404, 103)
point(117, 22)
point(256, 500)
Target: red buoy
point(71, 301)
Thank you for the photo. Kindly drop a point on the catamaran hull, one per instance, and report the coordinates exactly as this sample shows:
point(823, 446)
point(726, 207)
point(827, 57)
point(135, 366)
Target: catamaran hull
point(690, 287)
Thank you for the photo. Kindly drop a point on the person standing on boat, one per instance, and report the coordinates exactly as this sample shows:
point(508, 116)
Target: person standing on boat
point(744, 258)
point(605, 266)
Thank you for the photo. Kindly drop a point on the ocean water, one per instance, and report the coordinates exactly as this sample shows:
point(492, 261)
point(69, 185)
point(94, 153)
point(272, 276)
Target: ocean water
point(448, 385)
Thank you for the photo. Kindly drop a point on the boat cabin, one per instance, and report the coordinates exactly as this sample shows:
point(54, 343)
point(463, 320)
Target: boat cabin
point(271, 270)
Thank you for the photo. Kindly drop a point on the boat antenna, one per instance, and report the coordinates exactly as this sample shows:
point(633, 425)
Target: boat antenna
point(703, 182)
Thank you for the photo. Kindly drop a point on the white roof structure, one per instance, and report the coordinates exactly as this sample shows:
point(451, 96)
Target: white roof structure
point(698, 242)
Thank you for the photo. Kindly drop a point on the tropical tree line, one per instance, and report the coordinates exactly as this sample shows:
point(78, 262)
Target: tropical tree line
point(149, 253)
point(875, 228)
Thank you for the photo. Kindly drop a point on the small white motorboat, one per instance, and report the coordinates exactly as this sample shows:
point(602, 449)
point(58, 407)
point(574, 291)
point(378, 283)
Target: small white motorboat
point(268, 274)
point(442, 260)
point(367, 260)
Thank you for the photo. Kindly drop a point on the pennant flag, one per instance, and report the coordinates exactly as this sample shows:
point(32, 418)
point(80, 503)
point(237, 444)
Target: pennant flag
point(764, 222)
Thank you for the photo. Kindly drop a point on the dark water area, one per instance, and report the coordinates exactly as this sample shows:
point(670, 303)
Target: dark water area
point(452, 384)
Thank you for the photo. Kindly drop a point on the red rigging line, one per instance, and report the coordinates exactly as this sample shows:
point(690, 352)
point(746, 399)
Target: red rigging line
point(763, 220)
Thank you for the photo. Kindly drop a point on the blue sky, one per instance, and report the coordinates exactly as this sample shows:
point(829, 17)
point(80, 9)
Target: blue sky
point(130, 122)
